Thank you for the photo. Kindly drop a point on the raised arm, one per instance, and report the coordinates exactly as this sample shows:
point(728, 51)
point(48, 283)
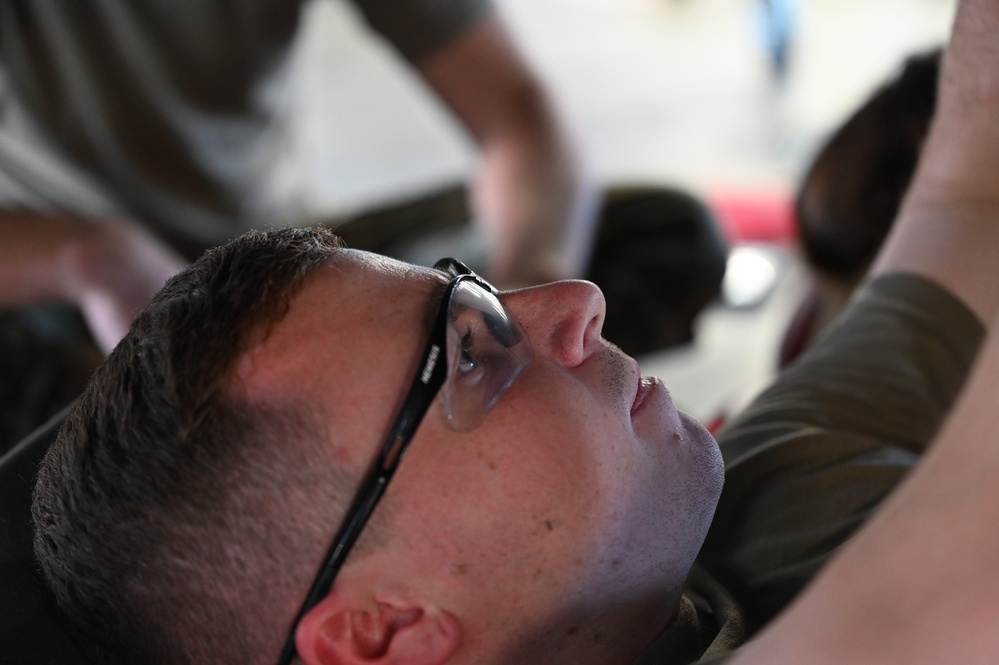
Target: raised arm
point(920, 582)
point(531, 196)
point(948, 229)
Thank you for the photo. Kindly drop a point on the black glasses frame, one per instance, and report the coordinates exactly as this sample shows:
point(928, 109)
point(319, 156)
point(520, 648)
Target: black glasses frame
point(429, 380)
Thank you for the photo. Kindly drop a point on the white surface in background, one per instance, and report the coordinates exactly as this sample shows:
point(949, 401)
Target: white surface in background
point(750, 276)
point(660, 90)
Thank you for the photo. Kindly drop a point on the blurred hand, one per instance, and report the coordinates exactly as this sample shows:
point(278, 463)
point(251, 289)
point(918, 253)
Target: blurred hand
point(118, 267)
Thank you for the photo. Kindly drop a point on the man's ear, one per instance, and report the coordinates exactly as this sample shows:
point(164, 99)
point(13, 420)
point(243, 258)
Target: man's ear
point(380, 633)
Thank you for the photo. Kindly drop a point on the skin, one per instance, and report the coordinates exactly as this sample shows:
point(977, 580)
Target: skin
point(561, 529)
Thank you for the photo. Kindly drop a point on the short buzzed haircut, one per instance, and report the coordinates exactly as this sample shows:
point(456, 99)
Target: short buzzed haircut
point(163, 511)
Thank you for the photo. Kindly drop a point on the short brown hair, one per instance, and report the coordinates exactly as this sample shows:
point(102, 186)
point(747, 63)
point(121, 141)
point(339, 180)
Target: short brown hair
point(164, 510)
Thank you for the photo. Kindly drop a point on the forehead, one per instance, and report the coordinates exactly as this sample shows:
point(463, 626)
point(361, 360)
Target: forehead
point(352, 333)
point(374, 290)
point(347, 301)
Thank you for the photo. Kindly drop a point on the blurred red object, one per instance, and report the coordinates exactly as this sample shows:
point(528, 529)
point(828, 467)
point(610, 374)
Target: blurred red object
point(757, 216)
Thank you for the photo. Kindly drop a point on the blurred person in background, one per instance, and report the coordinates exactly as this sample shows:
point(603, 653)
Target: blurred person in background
point(136, 134)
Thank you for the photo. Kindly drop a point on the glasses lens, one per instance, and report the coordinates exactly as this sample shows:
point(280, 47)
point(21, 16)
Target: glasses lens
point(487, 349)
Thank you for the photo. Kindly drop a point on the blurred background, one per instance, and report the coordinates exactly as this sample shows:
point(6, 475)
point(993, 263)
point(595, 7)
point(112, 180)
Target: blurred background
point(729, 98)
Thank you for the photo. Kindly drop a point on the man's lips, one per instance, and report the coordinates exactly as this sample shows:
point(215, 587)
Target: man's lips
point(643, 386)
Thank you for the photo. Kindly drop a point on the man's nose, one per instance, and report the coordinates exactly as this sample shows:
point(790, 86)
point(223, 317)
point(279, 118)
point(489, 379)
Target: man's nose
point(563, 319)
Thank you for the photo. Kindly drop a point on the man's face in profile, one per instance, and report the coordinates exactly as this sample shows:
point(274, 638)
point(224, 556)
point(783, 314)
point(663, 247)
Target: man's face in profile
point(582, 483)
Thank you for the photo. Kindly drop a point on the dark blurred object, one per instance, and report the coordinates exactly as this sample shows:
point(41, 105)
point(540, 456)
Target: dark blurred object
point(852, 192)
point(32, 629)
point(46, 357)
point(659, 258)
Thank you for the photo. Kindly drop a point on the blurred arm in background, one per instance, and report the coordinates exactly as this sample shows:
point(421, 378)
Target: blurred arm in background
point(531, 196)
